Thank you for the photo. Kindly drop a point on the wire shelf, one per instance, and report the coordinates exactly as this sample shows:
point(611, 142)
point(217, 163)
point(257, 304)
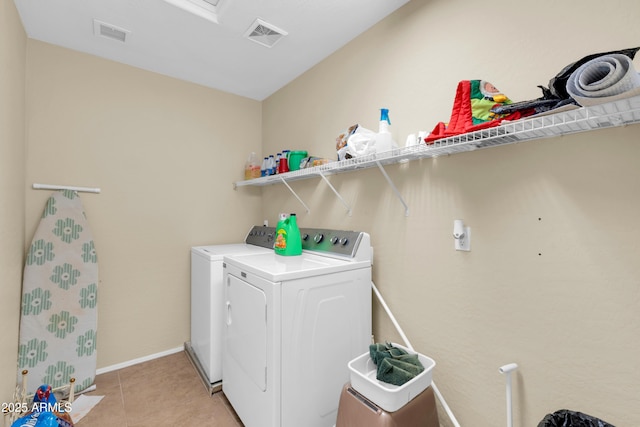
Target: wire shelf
point(619, 113)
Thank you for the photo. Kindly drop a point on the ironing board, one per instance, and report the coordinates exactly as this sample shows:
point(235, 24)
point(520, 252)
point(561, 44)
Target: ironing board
point(58, 323)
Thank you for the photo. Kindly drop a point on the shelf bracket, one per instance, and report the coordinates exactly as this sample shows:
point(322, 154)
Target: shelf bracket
point(284, 181)
point(393, 187)
point(336, 193)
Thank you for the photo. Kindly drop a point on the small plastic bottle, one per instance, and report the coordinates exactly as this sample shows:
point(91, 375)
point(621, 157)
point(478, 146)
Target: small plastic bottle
point(272, 165)
point(265, 166)
point(283, 167)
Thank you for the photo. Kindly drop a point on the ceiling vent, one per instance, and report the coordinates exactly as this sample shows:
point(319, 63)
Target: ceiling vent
point(264, 33)
point(110, 31)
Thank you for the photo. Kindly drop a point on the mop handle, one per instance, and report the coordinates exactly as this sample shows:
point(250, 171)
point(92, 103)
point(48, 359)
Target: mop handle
point(410, 347)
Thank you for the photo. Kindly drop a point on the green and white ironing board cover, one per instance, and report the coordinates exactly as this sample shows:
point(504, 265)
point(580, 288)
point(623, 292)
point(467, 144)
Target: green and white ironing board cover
point(58, 324)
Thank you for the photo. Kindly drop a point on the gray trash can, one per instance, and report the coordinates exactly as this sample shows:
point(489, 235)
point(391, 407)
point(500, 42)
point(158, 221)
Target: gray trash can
point(355, 410)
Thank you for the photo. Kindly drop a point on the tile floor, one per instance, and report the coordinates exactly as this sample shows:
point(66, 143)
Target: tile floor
point(164, 392)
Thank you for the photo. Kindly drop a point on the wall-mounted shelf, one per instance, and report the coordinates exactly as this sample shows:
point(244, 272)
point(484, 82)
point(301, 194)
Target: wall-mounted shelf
point(583, 119)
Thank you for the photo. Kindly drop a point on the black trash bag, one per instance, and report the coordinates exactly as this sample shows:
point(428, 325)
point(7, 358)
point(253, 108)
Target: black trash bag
point(566, 418)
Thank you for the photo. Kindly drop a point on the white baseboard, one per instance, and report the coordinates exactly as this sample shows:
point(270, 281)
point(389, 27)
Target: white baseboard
point(138, 360)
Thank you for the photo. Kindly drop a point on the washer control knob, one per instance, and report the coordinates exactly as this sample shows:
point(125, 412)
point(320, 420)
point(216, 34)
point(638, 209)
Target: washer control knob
point(318, 238)
point(334, 240)
point(305, 236)
point(344, 241)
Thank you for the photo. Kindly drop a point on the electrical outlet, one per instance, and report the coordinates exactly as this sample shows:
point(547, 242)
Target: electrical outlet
point(464, 243)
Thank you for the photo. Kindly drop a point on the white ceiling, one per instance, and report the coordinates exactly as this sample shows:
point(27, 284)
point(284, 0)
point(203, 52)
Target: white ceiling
point(166, 39)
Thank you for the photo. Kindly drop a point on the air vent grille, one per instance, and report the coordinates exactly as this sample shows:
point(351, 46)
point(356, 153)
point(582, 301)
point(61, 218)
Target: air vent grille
point(110, 31)
point(264, 33)
point(261, 30)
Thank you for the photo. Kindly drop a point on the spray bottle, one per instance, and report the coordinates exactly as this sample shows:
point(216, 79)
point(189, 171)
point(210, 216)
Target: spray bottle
point(384, 140)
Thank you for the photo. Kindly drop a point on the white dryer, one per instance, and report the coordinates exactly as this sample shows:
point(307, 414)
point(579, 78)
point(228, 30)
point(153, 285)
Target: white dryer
point(292, 324)
point(207, 301)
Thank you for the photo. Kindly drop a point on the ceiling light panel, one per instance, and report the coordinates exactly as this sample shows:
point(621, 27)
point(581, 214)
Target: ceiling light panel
point(207, 9)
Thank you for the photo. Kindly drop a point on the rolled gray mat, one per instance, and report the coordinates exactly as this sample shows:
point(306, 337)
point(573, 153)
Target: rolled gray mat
point(607, 78)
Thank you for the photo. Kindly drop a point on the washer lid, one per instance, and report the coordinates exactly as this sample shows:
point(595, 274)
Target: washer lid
point(216, 252)
point(277, 268)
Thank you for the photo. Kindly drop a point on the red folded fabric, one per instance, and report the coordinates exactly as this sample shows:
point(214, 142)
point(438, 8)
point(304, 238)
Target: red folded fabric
point(468, 116)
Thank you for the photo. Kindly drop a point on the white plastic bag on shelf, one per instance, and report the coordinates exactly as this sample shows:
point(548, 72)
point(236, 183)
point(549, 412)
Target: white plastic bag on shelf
point(362, 142)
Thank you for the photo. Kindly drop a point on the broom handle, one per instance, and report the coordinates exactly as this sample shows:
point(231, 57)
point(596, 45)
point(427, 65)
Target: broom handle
point(410, 347)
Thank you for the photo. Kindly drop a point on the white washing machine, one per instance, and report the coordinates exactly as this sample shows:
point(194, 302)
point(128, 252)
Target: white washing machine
point(292, 324)
point(207, 301)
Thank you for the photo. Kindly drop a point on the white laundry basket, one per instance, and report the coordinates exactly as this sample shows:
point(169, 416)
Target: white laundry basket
point(362, 371)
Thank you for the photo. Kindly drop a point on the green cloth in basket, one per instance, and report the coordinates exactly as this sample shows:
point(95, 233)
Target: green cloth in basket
point(395, 365)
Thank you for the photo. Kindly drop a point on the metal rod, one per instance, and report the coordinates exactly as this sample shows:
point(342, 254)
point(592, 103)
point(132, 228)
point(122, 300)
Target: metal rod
point(410, 347)
point(394, 188)
point(65, 187)
point(294, 193)
point(336, 193)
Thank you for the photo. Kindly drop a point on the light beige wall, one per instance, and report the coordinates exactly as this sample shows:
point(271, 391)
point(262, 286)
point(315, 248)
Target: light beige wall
point(551, 281)
point(12, 122)
point(165, 154)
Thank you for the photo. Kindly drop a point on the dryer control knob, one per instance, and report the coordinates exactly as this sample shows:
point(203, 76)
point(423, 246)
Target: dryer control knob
point(318, 238)
point(344, 241)
point(334, 239)
point(305, 236)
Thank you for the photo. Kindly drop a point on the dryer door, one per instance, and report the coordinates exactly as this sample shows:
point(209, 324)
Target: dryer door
point(246, 319)
point(250, 366)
